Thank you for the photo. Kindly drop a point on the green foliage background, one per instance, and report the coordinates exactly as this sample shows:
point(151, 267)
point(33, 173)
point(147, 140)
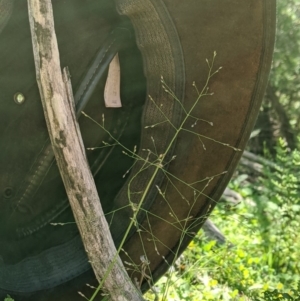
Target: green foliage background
point(280, 112)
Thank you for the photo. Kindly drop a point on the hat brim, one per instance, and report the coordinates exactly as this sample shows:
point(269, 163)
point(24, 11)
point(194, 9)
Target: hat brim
point(183, 36)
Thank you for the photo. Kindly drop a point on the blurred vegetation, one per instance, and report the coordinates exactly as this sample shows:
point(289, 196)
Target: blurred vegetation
point(280, 112)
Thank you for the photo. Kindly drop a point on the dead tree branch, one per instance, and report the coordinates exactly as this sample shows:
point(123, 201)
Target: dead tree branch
point(58, 104)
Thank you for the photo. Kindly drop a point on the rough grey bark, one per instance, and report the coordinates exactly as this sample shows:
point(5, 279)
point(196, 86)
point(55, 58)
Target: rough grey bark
point(58, 104)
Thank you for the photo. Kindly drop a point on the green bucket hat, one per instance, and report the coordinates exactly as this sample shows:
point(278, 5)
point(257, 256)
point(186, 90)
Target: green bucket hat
point(180, 149)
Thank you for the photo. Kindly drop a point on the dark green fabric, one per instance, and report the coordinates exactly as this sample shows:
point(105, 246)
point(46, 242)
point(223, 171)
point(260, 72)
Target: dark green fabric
point(6, 7)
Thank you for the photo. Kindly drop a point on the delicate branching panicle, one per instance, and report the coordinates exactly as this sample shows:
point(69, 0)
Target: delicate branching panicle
point(159, 161)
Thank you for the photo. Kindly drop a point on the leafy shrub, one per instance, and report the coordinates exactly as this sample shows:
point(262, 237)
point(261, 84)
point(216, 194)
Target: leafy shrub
point(278, 206)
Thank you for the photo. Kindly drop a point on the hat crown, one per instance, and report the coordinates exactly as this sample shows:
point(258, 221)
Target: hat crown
point(6, 7)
